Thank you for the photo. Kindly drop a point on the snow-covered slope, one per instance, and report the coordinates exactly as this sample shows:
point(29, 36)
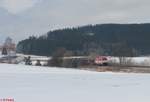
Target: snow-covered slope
point(42, 84)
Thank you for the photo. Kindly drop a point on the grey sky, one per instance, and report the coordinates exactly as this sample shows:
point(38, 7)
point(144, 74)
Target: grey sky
point(22, 18)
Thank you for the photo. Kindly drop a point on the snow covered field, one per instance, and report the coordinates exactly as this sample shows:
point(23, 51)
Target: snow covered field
point(41, 84)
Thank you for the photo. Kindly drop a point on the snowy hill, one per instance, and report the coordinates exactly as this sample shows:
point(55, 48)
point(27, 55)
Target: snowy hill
point(42, 84)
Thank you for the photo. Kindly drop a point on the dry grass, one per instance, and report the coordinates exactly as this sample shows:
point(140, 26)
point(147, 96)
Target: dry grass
point(118, 69)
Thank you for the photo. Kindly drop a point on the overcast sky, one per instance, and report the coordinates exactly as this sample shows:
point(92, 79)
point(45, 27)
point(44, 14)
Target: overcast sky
point(22, 18)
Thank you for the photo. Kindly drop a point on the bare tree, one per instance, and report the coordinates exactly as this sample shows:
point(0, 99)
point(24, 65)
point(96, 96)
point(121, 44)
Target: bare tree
point(123, 52)
point(57, 57)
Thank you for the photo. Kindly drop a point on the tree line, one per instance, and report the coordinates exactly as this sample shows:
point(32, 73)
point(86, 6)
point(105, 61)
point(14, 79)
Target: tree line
point(102, 39)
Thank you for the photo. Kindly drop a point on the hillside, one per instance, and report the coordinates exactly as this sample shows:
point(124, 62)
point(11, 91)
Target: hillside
point(38, 84)
point(101, 39)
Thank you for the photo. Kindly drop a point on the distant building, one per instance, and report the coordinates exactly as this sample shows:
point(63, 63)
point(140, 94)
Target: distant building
point(9, 46)
point(102, 60)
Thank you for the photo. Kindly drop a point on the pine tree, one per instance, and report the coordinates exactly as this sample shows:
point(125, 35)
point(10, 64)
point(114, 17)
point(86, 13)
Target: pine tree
point(4, 51)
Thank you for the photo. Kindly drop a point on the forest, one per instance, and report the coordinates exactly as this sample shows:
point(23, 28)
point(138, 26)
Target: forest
point(100, 39)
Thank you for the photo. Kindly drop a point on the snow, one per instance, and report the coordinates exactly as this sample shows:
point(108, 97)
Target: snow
point(45, 84)
point(35, 57)
point(135, 61)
